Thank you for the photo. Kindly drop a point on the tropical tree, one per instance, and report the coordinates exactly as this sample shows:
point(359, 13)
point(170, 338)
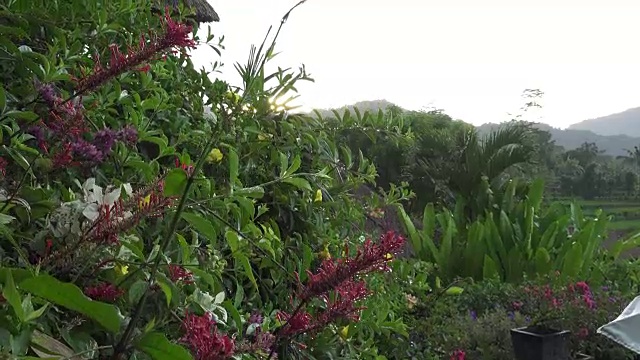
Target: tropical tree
point(475, 160)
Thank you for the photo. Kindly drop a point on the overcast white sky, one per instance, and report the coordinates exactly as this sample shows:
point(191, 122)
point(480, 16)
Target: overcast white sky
point(471, 58)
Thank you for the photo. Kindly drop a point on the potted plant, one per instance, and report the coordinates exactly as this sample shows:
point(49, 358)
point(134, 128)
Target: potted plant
point(540, 342)
point(544, 338)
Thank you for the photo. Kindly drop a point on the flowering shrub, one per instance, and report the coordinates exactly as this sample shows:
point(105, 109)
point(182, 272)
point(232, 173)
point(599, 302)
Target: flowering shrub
point(483, 332)
point(135, 223)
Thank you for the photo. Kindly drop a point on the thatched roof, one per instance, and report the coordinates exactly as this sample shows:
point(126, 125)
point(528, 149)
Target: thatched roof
point(204, 11)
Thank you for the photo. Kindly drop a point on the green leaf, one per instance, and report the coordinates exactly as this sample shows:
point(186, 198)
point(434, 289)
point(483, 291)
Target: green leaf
point(158, 347)
point(283, 164)
point(3, 100)
point(233, 167)
point(37, 313)
point(295, 165)
point(45, 346)
point(300, 183)
point(235, 315)
point(454, 290)
point(254, 192)
point(202, 225)
point(17, 157)
point(573, 261)
point(71, 297)
point(543, 261)
point(6, 219)
point(489, 270)
point(166, 289)
point(233, 240)
point(248, 270)
point(10, 292)
point(535, 193)
point(22, 115)
point(136, 290)
point(175, 182)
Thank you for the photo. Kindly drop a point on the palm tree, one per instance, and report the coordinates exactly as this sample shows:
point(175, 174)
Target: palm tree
point(632, 158)
point(472, 160)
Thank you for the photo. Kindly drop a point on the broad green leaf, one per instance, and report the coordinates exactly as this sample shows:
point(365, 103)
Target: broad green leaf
point(71, 297)
point(454, 290)
point(22, 115)
point(158, 347)
point(136, 290)
point(283, 164)
point(202, 225)
point(489, 270)
point(17, 157)
point(175, 182)
point(543, 261)
point(429, 220)
point(410, 228)
point(248, 270)
point(46, 346)
point(536, 190)
point(295, 165)
point(166, 289)
point(233, 240)
point(300, 183)
point(235, 315)
point(573, 261)
point(10, 292)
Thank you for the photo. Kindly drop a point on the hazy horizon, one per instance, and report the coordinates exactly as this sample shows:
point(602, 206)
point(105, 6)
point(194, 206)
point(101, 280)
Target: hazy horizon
point(472, 60)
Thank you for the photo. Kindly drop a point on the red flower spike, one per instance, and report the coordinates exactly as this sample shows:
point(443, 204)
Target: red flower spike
point(339, 277)
point(204, 340)
point(121, 217)
point(175, 35)
point(178, 273)
point(369, 258)
point(104, 292)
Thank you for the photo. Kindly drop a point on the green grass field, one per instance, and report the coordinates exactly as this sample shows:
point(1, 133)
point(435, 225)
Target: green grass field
point(626, 213)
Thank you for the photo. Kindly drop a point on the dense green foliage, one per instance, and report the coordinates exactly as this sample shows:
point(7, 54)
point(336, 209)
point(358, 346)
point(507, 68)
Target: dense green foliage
point(151, 211)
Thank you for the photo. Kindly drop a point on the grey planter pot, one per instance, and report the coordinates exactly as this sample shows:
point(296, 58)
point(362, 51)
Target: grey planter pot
point(535, 343)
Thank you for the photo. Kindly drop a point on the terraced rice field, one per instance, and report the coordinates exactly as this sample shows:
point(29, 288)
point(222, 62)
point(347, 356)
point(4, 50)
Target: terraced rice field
point(625, 217)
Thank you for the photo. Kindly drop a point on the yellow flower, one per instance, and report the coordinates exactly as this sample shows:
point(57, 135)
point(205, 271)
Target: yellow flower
point(325, 254)
point(122, 269)
point(388, 257)
point(215, 155)
point(344, 332)
point(145, 201)
point(318, 197)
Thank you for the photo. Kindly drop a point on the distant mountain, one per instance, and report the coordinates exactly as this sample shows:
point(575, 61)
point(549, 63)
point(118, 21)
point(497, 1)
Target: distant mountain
point(614, 145)
point(611, 141)
point(626, 122)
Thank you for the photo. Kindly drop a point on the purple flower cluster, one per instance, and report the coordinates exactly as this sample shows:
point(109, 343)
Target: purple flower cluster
point(102, 144)
point(64, 134)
